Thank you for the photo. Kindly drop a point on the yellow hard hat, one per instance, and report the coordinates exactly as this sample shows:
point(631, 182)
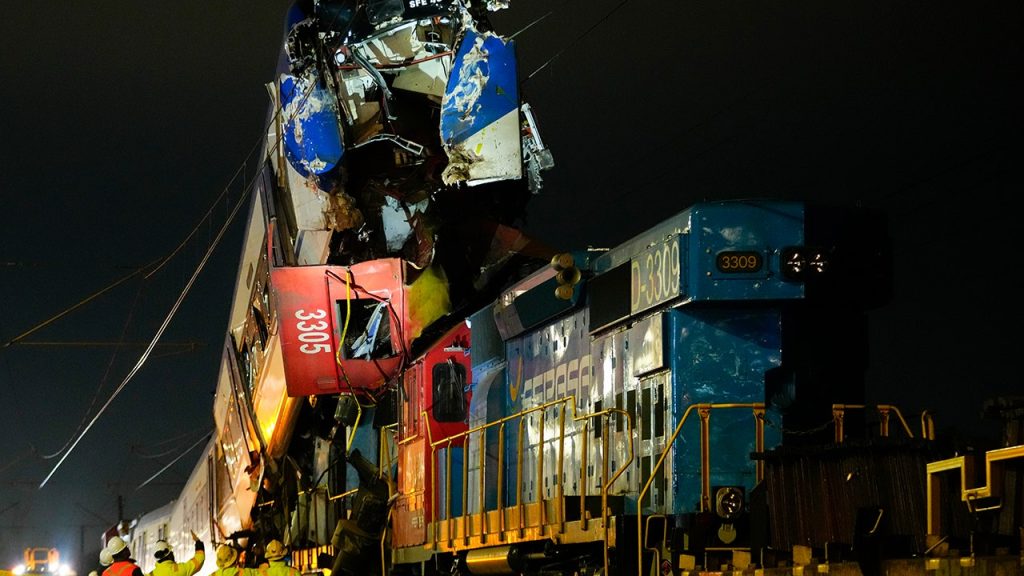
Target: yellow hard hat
point(275, 550)
point(226, 556)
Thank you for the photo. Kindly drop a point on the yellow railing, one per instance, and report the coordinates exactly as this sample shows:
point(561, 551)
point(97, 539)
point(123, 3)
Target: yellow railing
point(704, 412)
point(564, 406)
point(993, 486)
point(884, 412)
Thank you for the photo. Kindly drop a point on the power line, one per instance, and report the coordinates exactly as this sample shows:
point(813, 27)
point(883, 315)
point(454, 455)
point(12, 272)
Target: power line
point(81, 303)
point(191, 346)
point(160, 331)
point(171, 463)
point(577, 39)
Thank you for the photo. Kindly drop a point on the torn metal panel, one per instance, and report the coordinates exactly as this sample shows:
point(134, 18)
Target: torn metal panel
point(359, 103)
point(398, 46)
point(425, 104)
point(480, 112)
point(312, 137)
point(428, 77)
point(537, 156)
point(312, 247)
point(309, 202)
point(398, 221)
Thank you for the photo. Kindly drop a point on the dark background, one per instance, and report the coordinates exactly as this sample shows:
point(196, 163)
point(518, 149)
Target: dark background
point(121, 124)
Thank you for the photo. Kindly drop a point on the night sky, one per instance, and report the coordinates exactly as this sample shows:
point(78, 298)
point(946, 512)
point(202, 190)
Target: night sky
point(123, 123)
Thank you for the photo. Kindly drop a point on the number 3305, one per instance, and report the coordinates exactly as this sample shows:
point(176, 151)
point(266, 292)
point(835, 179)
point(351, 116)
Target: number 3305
point(313, 331)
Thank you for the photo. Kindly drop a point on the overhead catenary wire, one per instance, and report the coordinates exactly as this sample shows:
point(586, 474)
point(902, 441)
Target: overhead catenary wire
point(159, 332)
point(80, 303)
point(531, 24)
point(103, 381)
point(175, 440)
point(246, 190)
point(172, 462)
point(576, 39)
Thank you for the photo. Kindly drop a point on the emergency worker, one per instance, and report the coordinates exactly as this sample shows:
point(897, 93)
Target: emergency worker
point(275, 554)
point(166, 566)
point(123, 564)
point(105, 560)
point(227, 560)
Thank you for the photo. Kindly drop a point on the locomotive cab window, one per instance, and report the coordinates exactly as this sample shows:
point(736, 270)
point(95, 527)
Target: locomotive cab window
point(449, 385)
point(368, 336)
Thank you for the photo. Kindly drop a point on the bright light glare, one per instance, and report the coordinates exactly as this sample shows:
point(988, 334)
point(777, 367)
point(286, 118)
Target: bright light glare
point(65, 570)
point(19, 570)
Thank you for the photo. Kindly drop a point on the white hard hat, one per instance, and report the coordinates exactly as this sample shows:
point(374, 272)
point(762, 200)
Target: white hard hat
point(115, 545)
point(106, 559)
point(162, 549)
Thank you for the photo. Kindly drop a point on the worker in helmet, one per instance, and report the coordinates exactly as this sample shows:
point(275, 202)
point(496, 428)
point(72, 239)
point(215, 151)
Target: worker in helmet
point(166, 566)
point(275, 554)
point(105, 560)
point(227, 563)
point(122, 562)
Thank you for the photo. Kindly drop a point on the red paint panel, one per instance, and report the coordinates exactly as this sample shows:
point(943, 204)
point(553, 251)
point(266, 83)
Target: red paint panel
point(312, 304)
point(413, 510)
point(454, 345)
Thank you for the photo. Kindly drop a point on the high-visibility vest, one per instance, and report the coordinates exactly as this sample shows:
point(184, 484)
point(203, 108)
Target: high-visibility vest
point(278, 568)
point(121, 568)
point(170, 568)
point(235, 571)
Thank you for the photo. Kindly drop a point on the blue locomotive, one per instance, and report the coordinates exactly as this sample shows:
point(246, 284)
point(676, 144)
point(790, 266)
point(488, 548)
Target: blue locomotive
point(618, 400)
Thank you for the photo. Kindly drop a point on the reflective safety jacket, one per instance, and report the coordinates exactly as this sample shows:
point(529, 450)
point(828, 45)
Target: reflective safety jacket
point(278, 568)
point(235, 571)
point(187, 568)
point(123, 568)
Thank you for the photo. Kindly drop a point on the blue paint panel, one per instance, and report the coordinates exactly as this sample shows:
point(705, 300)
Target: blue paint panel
point(455, 487)
point(719, 356)
point(535, 361)
point(366, 440)
point(482, 88)
point(764, 227)
point(312, 138)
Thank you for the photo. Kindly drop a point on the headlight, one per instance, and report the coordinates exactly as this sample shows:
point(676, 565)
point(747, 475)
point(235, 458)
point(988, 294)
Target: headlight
point(729, 502)
point(803, 262)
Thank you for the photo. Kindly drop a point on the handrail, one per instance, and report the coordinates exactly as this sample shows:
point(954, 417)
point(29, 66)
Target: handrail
point(384, 449)
point(448, 440)
point(604, 489)
point(565, 404)
point(383, 538)
point(927, 426)
point(664, 534)
point(965, 465)
point(757, 407)
point(342, 495)
point(839, 410)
